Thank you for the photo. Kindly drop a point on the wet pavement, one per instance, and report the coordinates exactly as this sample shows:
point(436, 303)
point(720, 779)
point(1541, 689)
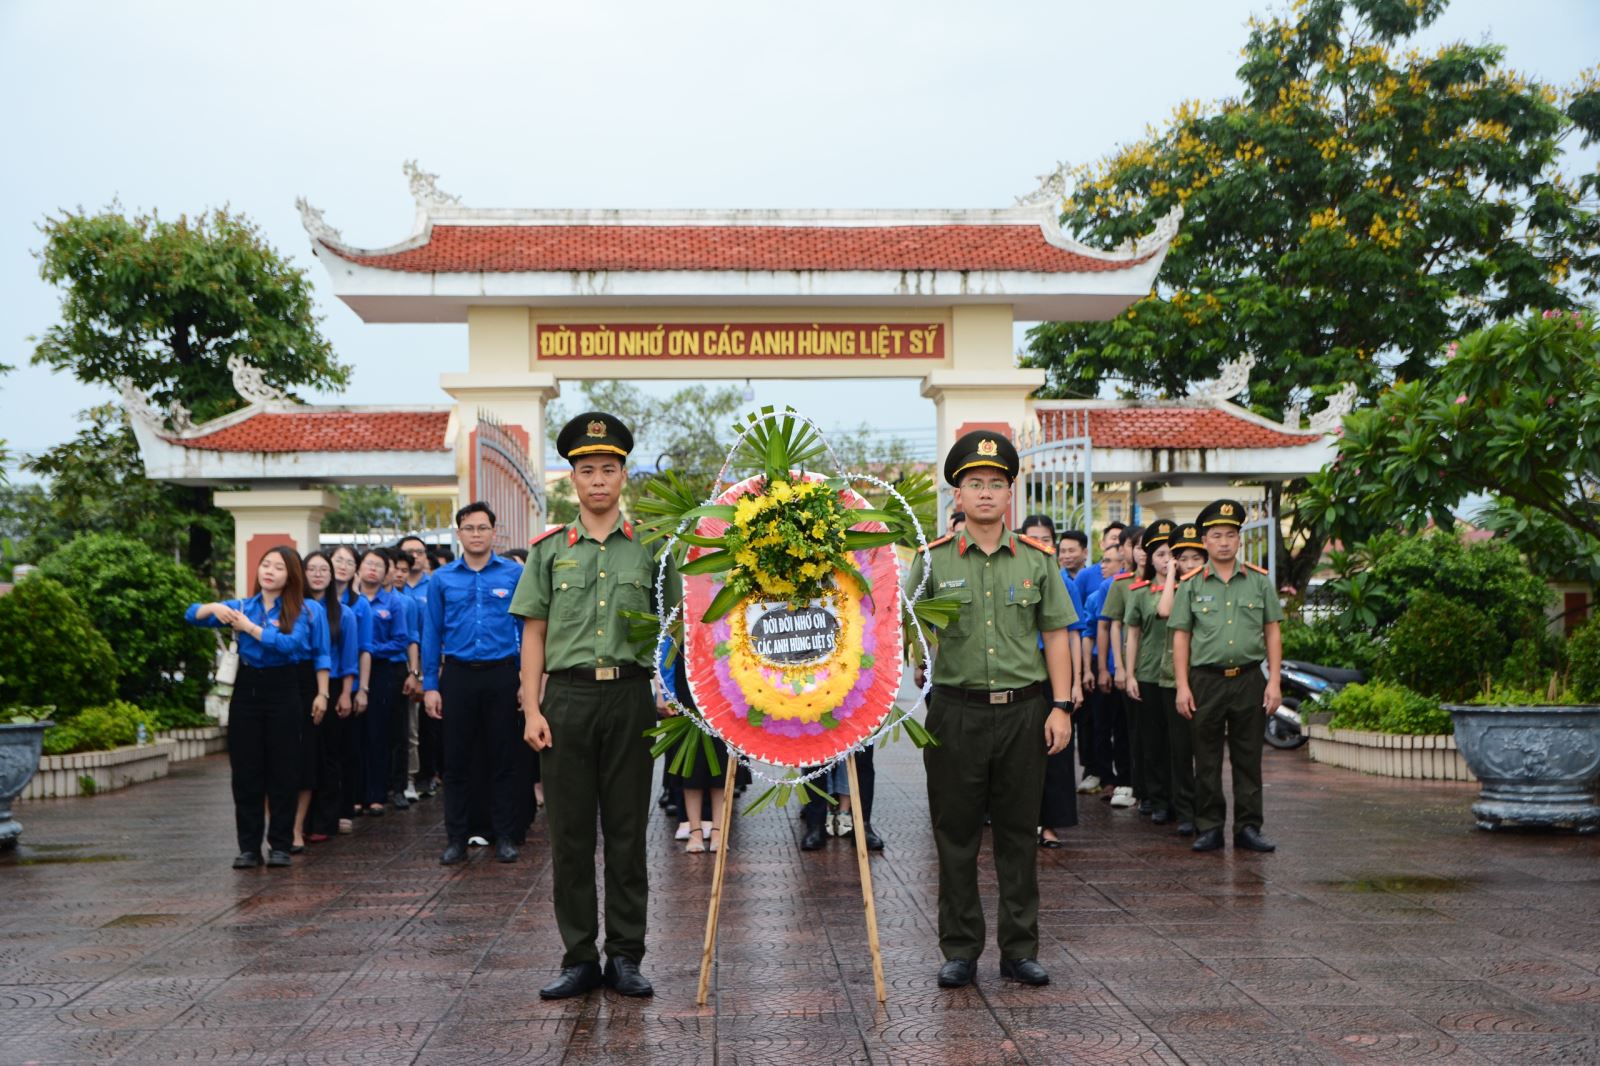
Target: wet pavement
point(1386, 929)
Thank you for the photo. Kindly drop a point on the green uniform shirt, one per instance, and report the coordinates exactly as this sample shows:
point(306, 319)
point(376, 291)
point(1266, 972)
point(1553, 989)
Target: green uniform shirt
point(1154, 665)
point(1115, 605)
point(579, 584)
point(1227, 618)
point(1007, 599)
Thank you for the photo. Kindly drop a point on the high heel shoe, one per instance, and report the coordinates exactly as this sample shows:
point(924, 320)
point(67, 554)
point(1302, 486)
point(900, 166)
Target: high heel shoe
point(697, 842)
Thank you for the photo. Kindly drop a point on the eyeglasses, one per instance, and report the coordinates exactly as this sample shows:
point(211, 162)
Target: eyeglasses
point(475, 529)
point(978, 485)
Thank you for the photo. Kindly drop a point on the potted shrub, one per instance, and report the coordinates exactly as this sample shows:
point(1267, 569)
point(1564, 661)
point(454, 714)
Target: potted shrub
point(21, 737)
point(1537, 755)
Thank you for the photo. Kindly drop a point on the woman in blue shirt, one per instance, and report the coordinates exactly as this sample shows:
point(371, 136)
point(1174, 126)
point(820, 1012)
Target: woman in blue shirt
point(389, 646)
point(352, 736)
point(344, 661)
point(274, 631)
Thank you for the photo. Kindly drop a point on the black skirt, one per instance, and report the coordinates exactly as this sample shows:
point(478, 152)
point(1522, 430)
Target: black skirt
point(306, 764)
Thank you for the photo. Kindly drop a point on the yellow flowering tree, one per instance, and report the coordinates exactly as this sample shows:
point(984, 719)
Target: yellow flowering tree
point(1358, 202)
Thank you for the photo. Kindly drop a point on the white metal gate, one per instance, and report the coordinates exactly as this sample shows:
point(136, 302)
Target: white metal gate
point(1055, 476)
point(1259, 536)
point(504, 479)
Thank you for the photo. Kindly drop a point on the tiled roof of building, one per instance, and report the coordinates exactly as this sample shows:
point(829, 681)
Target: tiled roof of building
point(1184, 428)
point(328, 431)
point(534, 248)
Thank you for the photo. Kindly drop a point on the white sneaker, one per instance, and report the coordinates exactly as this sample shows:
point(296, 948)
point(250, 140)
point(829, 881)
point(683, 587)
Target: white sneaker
point(1090, 783)
point(846, 825)
point(412, 794)
point(683, 831)
point(830, 824)
point(477, 842)
point(1122, 796)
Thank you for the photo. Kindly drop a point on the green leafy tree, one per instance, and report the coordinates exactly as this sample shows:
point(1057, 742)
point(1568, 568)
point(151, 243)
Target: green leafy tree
point(139, 597)
point(1513, 415)
point(52, 654)
point(165, 304)
point(1355, 202)
point(364, 508)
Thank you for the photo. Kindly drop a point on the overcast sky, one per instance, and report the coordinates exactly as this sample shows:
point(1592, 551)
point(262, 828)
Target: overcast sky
point(184, 106)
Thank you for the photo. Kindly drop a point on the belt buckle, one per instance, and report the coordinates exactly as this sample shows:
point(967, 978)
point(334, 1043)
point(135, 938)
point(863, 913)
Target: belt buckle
point(607, 673)
point(1000, 697)
point(1232, 671)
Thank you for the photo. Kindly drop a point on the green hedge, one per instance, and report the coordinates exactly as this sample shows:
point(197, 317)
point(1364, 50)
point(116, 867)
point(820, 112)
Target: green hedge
point(1440, 646)
point(113, 725)
point(138, 598)
point(1583, 658)
point(1383, 707)
point(51, 655)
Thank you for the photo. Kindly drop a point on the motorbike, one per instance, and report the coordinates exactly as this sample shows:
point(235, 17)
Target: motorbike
point(1303, 683)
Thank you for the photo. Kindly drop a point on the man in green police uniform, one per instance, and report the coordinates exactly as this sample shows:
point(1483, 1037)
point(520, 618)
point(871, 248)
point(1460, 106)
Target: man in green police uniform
point(1224, 622)
point(590, 724)
point(992, 710)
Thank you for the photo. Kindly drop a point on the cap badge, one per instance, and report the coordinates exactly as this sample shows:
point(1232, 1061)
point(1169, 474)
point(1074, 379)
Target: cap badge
point(1226, 508)
point(597, 428)
point(988, 447)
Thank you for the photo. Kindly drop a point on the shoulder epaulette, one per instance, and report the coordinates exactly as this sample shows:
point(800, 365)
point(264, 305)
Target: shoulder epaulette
point(1123, 576)
point(1253, 566)
point(1137, 585)
point(546, 533)
point(1193, 573)
point(1030, 542)
point(946, 539)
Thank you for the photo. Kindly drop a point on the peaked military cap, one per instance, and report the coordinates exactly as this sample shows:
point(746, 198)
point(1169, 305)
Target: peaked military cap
point(980, 448)
point(1187, 537)
point(594, 433)
point(1158, 533)
point(1221, 513)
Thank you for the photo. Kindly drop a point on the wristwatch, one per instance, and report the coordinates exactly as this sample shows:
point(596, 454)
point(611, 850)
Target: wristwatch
point(1061, 705)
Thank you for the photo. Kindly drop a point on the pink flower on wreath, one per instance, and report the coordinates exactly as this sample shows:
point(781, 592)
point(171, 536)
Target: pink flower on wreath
point(1552, 314)
point(1461, 399)
point(1450, 352)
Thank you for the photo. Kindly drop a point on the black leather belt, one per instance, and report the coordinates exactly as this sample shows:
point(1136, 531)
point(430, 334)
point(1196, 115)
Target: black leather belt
point(481, 664)
point(1230, 671)
point(620, 672)
point(995, 697)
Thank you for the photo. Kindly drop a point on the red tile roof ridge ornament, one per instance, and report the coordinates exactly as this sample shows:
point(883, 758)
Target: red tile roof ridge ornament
point(450, 238)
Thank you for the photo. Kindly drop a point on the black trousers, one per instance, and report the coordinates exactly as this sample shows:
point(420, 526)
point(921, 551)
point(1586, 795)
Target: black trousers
point(327, 806)
point(1153, 758)
point(1180, 751)
point(815, 812)
point(383, 703)
point(1085, 737)
point(480, 715)
point(1111, 737)
point(1059, 808)
point(263, 753)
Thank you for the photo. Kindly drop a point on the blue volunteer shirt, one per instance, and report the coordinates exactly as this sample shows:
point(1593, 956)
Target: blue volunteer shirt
point(1081, 626)
point(390, 632)
point(321, 651)
point(274, 648)
point(1094, 605)
point(346, 649)
point(467, 615)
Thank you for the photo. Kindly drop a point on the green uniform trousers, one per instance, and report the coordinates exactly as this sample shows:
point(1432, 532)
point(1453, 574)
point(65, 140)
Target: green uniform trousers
point(1228, 711)
point(1180, 754)
point(990, 759)
point(598, 761)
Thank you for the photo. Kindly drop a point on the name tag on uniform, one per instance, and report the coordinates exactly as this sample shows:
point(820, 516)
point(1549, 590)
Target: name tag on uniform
point(959, 583)
point(1206, 599)
point(563, 564)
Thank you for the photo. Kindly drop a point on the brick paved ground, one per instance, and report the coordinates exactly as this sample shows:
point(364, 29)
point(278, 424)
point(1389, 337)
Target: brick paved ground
point(1385, 930)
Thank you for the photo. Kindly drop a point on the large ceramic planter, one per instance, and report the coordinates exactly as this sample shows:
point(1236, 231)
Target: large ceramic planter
point(1538, 764)
point(19, 758)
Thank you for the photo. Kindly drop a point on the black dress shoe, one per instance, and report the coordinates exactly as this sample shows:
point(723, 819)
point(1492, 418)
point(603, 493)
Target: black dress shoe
point(1147, 807)
point(1052, 843)
point(956, 973)
point(814, 839)
point(1160, 817)
point(1210, 840)
point(399, 802)
point(1186, 829)
point(874, 841)
point(622, 976)
point(278, 858)
point(505, 851)
point(574, 981)
point(247, 860)
point(453, 854)
point(1250, 839)
point(1025, 971)
point(297, 849)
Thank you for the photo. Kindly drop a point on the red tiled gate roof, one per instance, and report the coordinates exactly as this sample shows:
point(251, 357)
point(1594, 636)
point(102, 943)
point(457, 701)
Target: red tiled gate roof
point(1183, 427)
point(329, 431)
point(952, 247)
